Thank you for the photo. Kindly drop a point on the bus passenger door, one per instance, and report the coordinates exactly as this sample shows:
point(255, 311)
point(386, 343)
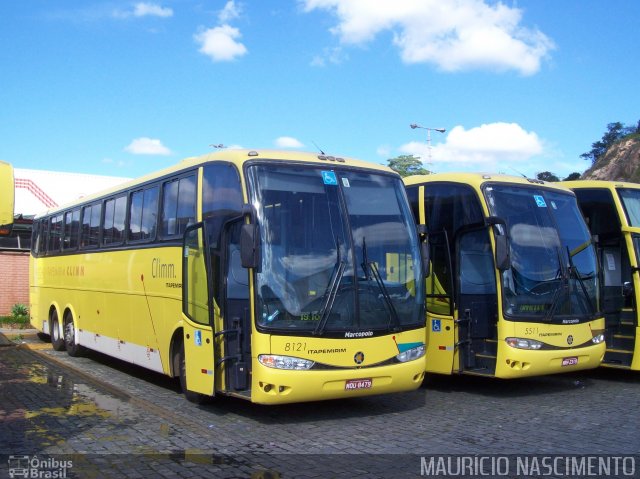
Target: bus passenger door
point(477, 301)
point(441, 327)
point(236, 333)
point(197, 312)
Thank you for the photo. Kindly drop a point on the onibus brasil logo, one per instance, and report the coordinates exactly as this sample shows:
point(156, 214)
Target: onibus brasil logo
point(35, 467)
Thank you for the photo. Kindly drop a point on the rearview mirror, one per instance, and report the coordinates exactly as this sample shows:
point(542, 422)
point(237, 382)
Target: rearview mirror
point(250, 245)
point(423, 236)
point(503, 259)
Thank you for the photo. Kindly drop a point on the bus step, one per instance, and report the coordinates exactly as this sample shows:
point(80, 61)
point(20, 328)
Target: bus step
point(623, 336)
point(479, 372)
point(615, 365)
point(618, 351)
point(485, 356)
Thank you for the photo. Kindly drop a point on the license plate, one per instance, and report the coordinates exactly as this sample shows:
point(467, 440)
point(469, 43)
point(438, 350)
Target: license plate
point(358, 384)
point(572, 361)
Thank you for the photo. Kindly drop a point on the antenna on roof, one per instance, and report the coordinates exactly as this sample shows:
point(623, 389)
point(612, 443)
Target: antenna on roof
point(218, 146)
point(319, 149)
point(519, 172)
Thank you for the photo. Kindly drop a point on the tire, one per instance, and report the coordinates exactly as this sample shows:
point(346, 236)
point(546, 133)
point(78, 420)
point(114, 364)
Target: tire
point(73, 348)
point(45, 338)
point(195, 398)
point(57, 339)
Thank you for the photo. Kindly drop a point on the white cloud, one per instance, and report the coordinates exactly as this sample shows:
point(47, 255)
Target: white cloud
point(147, 146)
point(484, 148)
point(453, 35)
point(288, 142)
point(334, 56)
point(220, 43)
point(151, 9)
point(231, 11)
point(144, 9)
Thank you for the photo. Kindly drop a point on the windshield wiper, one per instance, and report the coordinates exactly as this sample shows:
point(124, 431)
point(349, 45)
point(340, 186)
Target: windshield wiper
point(556, 296)
point(573, 271)
point(331, 292)
point(370, 267)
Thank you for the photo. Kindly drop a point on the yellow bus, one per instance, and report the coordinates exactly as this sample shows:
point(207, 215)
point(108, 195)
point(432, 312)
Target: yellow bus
point(7, 194)
point(612, 211)
point(271, 276)
point(513, 287)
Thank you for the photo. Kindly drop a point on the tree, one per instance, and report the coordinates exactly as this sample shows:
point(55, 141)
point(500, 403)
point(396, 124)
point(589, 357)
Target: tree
point(406, 165)
point(547, 176)
point(573, 176)
point(615, 131)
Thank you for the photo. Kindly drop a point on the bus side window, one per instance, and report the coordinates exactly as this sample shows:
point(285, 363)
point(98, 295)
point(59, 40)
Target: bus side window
point(221, 201)
point(90, 225)
point(143, 214)
point(55, 233)
point(476, 264)
point(414, 201)
point(71, 229)
point(178, 206)
point(115, 210)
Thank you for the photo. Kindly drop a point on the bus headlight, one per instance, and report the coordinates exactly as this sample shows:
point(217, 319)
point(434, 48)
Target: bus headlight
point(284, 362)
point(521, 343)
point(411, 354)
point(598, 338)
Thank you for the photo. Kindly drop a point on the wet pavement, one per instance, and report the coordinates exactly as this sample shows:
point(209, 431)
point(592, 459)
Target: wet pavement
point(96, 417)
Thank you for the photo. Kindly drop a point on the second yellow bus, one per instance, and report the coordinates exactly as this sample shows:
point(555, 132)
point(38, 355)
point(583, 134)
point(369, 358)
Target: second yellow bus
point(513, 289)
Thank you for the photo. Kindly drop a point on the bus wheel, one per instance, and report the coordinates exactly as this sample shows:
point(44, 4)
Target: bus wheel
point(57, 340)
point(190, 395)
point(45, 338)
point(73, 348)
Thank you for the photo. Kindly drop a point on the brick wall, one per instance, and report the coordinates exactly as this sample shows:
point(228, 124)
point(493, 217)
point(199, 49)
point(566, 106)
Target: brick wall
point(14, 280)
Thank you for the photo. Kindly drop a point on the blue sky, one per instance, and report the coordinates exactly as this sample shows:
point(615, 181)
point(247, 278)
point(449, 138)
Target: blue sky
point(124, 88)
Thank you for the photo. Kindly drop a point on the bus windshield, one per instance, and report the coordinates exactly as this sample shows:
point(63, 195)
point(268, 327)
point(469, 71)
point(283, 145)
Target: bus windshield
point(339, 252)
point(553, 262)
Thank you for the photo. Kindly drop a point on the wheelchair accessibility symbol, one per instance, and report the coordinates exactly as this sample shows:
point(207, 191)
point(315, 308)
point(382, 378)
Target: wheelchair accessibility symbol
point(329, 178)
point(436, 326)
point(540, 201)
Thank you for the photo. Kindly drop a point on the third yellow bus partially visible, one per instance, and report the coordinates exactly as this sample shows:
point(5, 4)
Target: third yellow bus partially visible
point(612, 211)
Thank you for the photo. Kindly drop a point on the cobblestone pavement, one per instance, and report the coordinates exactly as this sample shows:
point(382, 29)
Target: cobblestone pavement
point(115, 420)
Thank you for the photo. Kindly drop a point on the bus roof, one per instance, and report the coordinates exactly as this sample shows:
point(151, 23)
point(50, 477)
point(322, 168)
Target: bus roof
point(478, 179)
point(599, 184)
point(237, 157)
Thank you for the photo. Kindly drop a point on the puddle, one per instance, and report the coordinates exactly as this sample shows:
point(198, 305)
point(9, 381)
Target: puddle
point(51, 407)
